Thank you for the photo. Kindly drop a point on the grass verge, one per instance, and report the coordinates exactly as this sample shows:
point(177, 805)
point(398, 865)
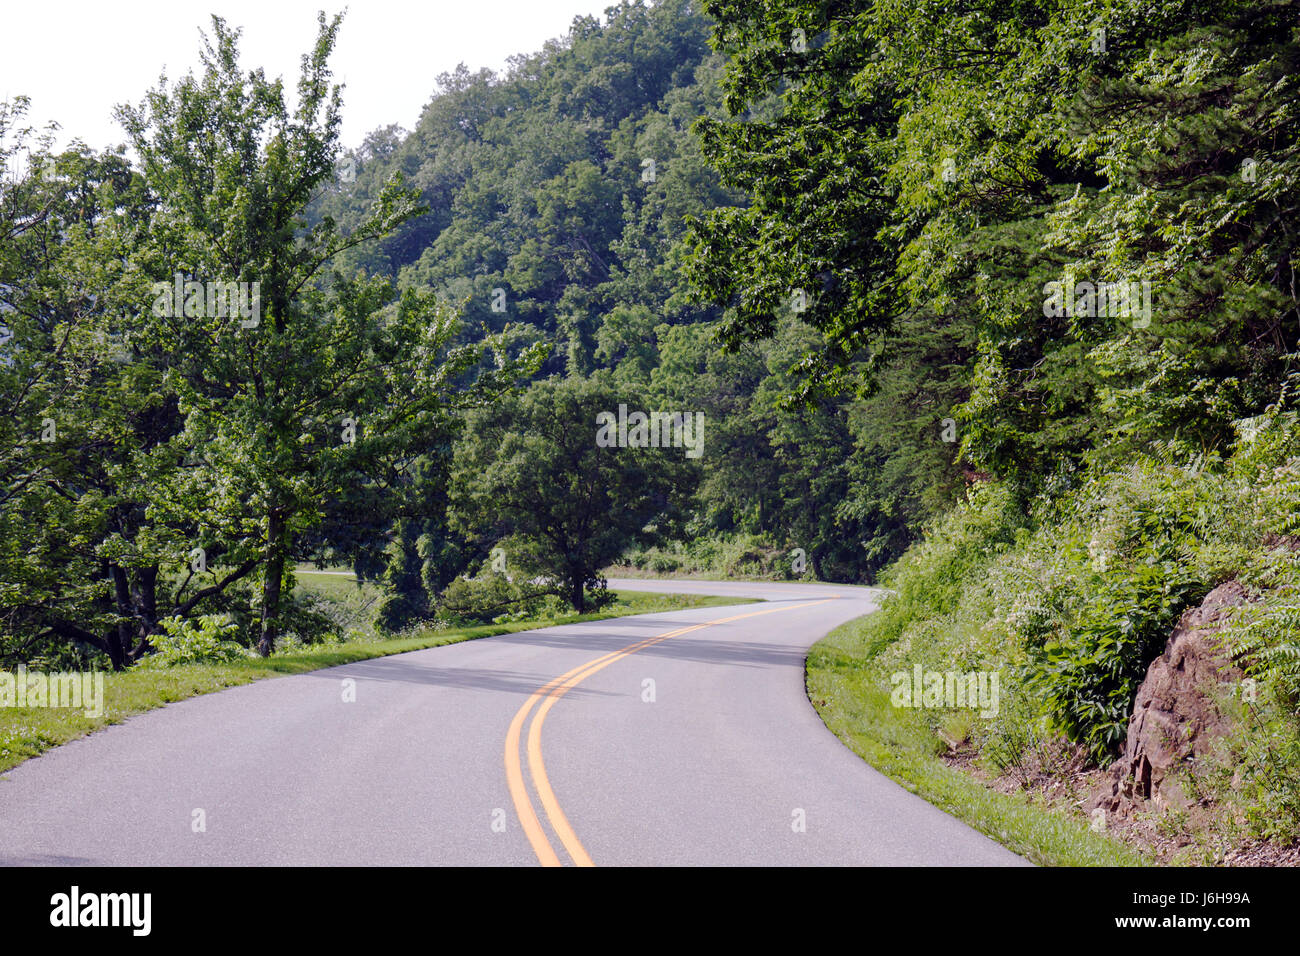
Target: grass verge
point(847, 695)
point(26, 732)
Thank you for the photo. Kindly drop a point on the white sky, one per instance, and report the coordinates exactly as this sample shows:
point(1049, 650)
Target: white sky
point(76, 59)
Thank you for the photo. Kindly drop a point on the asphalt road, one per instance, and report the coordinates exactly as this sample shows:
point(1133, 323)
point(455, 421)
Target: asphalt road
point(668, 740)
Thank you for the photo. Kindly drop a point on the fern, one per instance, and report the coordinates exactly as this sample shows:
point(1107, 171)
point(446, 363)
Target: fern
point(1268, 647)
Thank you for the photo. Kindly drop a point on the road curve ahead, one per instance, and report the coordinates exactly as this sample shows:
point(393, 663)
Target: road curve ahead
point(679, 738)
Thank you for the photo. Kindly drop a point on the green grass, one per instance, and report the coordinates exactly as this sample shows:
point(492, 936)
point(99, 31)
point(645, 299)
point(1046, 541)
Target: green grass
point(857, 709)
point(26, 732)
point(334, 586)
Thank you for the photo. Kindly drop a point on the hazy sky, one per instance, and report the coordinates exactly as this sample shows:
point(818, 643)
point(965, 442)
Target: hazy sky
point(76, 60)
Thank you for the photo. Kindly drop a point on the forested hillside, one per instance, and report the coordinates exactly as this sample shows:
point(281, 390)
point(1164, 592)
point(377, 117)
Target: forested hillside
point(560, 201)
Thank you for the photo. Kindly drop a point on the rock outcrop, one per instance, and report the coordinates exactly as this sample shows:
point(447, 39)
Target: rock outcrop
point(1176, 714)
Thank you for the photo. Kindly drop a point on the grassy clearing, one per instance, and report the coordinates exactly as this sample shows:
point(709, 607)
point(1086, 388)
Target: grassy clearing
point(28, 731)
point(857, 709)
point(335, 586)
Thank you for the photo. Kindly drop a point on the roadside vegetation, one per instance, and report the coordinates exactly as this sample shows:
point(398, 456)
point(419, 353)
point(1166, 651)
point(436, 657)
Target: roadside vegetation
point(739, 557)
point(845, 685)
point(1068, 601)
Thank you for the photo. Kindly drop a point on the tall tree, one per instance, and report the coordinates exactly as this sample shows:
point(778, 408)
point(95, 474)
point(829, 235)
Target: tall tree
point(329, 387)
point(530, 470)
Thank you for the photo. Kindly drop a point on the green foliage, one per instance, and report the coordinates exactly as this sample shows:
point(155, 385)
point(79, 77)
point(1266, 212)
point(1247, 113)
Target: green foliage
point(1266, 781)
point(533, 180)
point(717, 556)
point(845, 689)
point(936, 575)
point(158, 460)
point(337, 609)
point(1017, 741)
point(922, 172)
point(923, 197)
point(494, 598)
point(532, 481)
point(560, 201)
point(205, 639)
point(1268, 647)
point(1088, 678)
point(1071, 601)
point(73, 417)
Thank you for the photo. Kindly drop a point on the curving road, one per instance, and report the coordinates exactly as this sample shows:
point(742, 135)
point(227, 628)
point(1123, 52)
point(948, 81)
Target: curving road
point(679, 738)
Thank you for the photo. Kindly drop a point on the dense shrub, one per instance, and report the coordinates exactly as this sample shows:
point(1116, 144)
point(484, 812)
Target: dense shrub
point(201, 640)
point(494, 598)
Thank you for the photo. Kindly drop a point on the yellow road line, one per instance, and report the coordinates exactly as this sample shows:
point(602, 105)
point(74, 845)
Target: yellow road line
point(515, 780)
point(552, 691)
point(536, 766)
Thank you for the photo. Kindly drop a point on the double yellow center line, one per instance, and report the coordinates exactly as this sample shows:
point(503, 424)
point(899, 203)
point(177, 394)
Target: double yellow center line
point(549, 693)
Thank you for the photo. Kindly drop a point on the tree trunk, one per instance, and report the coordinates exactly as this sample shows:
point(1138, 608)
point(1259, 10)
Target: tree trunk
point(148, 591)
point(275, 526)
point(119, 644)
point(577, 596)
point(147, 604)
point(116, 653)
